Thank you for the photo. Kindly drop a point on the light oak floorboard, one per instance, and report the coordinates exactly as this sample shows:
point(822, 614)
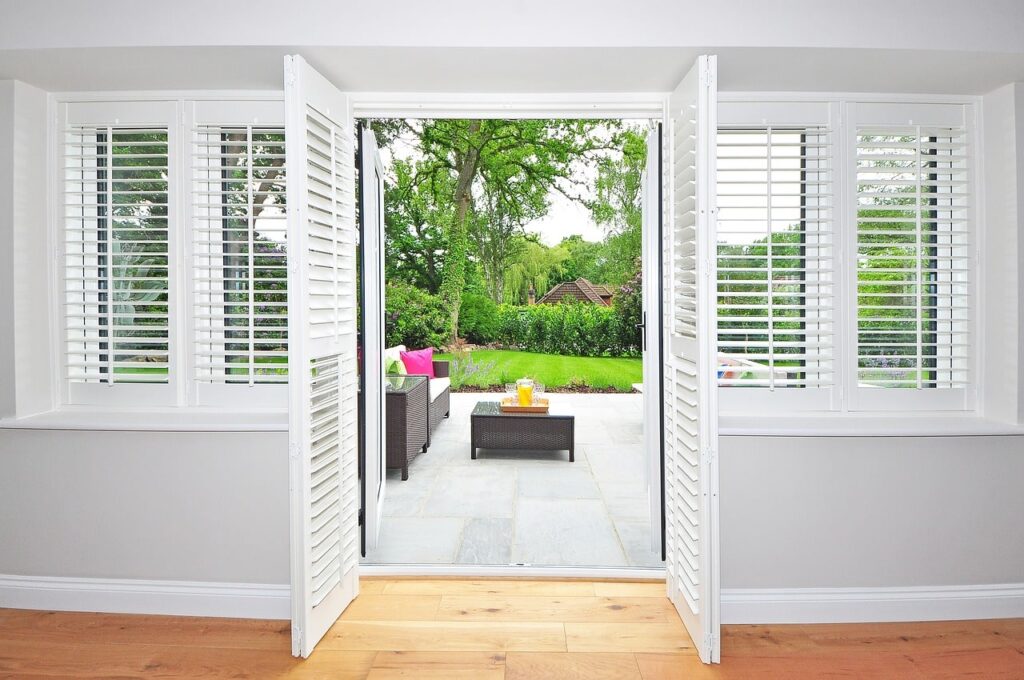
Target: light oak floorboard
point(189, 631)
point(491, 587)
point(627, 637)
point(630, 589)
point(393, 608)
point(571, 666)
point(438, 666)
point(564, 609)
point(453, 636)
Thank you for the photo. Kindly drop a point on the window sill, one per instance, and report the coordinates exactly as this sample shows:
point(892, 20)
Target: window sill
point(152, 420)
point(864, 425)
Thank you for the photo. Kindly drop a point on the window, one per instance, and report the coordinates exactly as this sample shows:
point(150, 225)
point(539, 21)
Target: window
point(913, 261)
point(240, 282)
point(174, 280)
point(845, 255)
point(775, 252)
point(116, 278)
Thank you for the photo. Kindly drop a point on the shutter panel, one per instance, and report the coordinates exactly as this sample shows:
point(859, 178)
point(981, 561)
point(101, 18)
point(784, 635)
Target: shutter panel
point(691, 425)
point(116, 255)
point(913, 257)
point(775, 257)
point(323, 385)
point(240, 284)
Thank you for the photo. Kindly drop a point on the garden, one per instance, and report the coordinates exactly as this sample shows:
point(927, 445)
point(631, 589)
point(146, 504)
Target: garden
point(467, 267)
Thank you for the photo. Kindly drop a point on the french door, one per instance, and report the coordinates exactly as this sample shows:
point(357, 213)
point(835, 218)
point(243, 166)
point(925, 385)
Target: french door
point(371, 248)
point(322, 356)
point(652, 362)
point(689, 372)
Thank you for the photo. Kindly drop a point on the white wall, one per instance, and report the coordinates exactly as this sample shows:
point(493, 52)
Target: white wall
point(7, 397)
point(849, 512)
point(1002, 117)
point(24, 257)
point(144, 505)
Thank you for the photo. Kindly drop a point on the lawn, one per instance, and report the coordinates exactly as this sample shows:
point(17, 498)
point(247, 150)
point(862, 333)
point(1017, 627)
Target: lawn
point(554, 371)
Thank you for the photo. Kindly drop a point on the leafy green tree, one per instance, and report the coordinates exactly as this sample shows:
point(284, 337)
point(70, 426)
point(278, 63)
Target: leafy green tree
point(516, 162)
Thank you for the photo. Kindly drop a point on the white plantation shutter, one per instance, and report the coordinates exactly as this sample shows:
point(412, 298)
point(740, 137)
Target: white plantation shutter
point(117, 292)
point(775, 257)
point(323, 380)
point(913, 246)
point(239, 251)
point(691, 412)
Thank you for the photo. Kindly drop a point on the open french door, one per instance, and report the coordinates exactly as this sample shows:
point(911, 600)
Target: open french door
point(652, 337)
point(322, 368)
point(690, 385)
point(371, 250)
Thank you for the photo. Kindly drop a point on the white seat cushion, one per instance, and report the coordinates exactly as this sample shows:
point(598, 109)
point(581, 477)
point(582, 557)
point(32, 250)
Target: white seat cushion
point(438, 386)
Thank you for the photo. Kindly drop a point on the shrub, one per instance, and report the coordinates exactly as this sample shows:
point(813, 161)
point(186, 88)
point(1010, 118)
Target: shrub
point(575, 329)
point(628, 305)
point(413, 317)
point(478, 319)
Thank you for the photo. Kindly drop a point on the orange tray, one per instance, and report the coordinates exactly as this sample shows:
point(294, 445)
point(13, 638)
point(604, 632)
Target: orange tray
point(539, 405)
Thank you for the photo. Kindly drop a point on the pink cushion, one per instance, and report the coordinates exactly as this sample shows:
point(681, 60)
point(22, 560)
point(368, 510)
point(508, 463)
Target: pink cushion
point(419, 362)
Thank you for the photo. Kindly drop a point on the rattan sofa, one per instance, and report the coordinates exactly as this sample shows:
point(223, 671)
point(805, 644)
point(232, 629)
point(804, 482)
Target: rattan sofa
point(439, 391)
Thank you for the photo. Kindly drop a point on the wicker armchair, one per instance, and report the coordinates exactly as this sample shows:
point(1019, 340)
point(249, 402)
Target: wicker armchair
point(407, 426)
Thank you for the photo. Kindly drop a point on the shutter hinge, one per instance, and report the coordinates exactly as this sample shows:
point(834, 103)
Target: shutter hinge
point(709, 642)
point(294, 450)
point(297, 632)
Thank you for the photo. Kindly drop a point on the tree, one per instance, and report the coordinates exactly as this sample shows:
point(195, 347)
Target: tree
point(514, 162)
point(617, 206)
point(535, 266)
point(416, 222)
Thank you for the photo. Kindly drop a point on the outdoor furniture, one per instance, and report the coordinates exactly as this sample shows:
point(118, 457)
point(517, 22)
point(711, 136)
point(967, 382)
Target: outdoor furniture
point(439, 388)
point(490, 428)
point(407, 428)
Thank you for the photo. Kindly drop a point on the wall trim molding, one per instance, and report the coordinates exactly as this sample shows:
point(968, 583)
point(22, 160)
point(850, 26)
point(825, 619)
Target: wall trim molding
point(863, 605)
point(131, 596)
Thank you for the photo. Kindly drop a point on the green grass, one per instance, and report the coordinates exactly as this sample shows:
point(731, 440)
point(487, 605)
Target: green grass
point(553, 370)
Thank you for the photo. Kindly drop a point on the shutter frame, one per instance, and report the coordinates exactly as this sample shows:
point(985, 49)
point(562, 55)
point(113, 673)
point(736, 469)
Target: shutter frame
point(87, 227)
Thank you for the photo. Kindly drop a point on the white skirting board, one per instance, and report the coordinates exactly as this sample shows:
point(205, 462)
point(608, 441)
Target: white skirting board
point(129, 596)
point(863, 605)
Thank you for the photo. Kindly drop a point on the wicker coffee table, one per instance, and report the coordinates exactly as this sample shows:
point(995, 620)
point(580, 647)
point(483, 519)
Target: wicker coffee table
point(490, 428)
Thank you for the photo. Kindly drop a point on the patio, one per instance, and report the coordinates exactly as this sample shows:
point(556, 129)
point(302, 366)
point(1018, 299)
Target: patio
point(519, 507)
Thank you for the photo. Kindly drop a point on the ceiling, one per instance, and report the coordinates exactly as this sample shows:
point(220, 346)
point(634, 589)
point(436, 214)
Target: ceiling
point(514, 70)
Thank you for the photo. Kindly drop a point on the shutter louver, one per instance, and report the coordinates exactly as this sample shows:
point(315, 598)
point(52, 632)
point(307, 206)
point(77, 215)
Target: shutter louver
point(775, 257)
point(240, 283)
point(116, 256)
point(913, 257)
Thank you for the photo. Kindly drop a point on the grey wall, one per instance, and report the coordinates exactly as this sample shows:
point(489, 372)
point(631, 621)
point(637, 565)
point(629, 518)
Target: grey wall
point(823, 512)
point(145, 505)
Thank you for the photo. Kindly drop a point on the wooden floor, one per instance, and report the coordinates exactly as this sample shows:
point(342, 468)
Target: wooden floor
point(510, 629)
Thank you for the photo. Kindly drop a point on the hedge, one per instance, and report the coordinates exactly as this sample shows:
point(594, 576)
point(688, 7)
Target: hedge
point(575, 329)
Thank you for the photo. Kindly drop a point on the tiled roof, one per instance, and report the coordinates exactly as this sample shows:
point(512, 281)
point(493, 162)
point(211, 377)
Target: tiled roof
point(581, 289)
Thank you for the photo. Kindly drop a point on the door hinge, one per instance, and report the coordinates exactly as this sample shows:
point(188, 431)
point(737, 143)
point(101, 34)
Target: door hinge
point(294, 450)
point(361, 517)
point(709, 642)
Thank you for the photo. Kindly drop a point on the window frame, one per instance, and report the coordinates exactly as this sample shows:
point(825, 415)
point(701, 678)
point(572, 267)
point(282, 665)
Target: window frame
point(204, 393)
point(179, 112)
point(795, 109)
point(875, 113)
point(777, 114)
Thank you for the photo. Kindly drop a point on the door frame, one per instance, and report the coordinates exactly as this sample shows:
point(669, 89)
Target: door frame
point(652, 106)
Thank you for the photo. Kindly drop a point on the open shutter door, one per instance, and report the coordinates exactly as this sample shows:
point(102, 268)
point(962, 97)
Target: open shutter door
point(323, 380)
point(691, 404)
point(371, 217)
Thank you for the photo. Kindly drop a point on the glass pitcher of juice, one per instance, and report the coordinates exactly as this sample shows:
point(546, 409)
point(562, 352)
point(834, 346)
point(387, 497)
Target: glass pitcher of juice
point(524, 389)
